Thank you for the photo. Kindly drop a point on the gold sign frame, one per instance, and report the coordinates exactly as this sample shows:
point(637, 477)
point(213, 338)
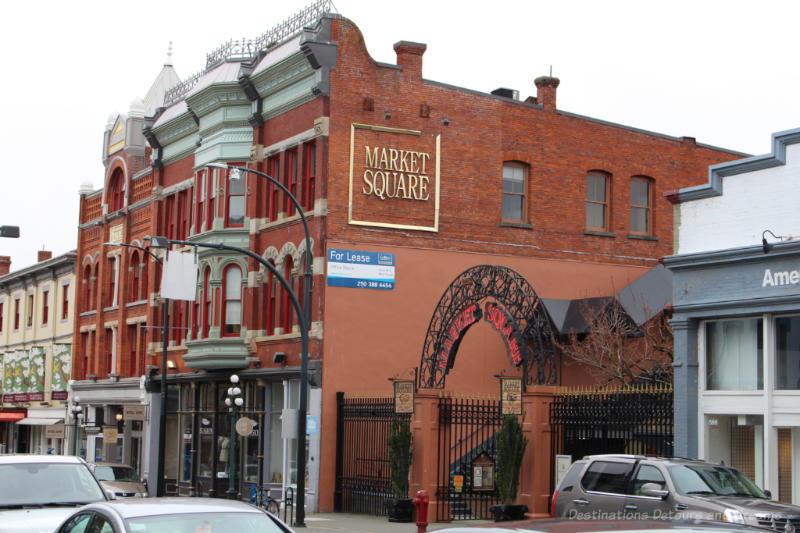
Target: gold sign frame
point(511, 396)
point(403, 397)
point(350, 220)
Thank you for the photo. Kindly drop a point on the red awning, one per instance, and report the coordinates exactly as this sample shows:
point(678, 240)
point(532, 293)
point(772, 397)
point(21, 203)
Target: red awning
point(11, 416)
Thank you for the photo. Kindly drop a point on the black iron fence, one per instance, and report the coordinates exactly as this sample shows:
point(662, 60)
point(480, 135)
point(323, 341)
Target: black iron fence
point(628, 420)
point(363, 477)
point(467, 428)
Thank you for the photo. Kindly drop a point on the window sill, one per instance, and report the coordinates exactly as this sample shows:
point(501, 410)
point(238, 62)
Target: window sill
point(521, 225)
point(599, 233)
point(642, 237)
point(109, 309)
point(89, 313)
point(134, 304)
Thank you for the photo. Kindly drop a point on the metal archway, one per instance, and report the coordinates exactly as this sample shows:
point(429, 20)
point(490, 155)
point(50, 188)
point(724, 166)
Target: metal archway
point(520, 303)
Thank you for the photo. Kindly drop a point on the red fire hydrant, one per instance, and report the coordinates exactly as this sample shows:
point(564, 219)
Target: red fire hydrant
point(421, 503)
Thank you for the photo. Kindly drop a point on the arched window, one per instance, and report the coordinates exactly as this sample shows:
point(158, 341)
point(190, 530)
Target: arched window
point(87, 287)
point(232, 301)
point(272, 300)
point(115, 196)
point(288, 309)
point(136, 273)
point(206, 303)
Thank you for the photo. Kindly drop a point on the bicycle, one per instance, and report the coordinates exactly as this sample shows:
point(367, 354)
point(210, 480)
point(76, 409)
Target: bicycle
point(260, 497)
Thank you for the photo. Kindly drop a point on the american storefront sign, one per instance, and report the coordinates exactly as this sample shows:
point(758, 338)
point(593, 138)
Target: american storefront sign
point(361, 270)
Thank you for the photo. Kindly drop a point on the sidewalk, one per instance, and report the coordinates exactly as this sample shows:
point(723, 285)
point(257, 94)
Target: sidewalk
point(360, 523)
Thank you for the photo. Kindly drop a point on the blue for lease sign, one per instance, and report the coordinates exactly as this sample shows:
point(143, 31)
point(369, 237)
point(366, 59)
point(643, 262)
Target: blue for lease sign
point(362, 270)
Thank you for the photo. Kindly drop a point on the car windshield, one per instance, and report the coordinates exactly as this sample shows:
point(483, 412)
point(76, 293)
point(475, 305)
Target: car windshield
point(47, 484)
point(716, 480)
point(116, 473)
point(204, 523)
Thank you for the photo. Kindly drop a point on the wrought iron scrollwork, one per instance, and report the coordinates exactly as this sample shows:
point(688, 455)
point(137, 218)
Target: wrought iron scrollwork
point(520, 301)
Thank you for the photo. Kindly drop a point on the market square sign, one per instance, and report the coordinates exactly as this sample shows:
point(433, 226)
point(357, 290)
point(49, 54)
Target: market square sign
point(394, 178)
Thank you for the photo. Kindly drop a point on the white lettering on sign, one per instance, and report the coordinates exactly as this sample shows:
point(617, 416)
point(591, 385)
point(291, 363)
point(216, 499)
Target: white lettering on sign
point(776, 279)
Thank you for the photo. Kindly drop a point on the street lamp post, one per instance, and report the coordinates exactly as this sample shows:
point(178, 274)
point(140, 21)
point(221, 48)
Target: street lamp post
point(76, 410)
point(306, 315)
point(164, 242)
point(162, 415)
point(233, 400)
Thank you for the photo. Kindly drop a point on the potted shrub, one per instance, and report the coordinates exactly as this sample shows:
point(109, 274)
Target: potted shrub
point(400, 508)
point(511, 444)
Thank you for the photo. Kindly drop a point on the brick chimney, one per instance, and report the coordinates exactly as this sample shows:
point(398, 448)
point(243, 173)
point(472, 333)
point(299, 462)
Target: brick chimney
point(546, 91)
point(409, 56)
point(5, 264)
point(44, 255)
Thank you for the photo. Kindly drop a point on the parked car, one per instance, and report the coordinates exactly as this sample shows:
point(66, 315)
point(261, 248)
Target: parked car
point(173, 515)
point(37, 492)
point(121, 479)
point(639, 487)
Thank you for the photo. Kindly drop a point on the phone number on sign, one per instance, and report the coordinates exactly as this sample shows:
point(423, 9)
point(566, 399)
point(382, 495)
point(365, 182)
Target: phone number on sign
point(374, 284)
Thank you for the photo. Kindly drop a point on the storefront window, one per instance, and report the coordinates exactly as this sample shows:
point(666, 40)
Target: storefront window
point(734, 355)
point(787, 353)
point(186, 452)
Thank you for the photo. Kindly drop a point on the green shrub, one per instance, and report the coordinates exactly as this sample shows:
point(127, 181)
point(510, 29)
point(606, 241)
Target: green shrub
point(511, 446)
point(400, 456)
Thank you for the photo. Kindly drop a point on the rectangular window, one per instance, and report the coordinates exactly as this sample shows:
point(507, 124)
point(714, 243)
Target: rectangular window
point(734, 354)
point(275, 172)
point(65, 301)
point(200, 194)
point(211, 202)
point(132, 338)
point(29, 311)
point(111, 296)
point(640, 206)
point(85, 343)
point(310, 176)
point(597, 201)
point(787, 353)
point(45, 306)
point(170, 214)
point(291, 180)
point(514, 193)
point(16, 313)
point(236, 201)
point(1, 316)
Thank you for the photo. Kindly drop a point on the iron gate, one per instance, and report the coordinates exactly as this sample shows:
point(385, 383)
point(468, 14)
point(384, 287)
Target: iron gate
point(635, 420)
point(467, 429)
point(363, 478)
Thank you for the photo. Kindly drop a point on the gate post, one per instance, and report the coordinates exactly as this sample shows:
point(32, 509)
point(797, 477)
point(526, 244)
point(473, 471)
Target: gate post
point(534, 480)
point(425, 448)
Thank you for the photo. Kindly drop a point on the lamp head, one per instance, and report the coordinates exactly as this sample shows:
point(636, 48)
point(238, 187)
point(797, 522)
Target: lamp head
point(228, 402)
point(234, 379)
point(239, 402)
point(119, 417)
point(77, 399)
point(237, 391)
point(764, 245)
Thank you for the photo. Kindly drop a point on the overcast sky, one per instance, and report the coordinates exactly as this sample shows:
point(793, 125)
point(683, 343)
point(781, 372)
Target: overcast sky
point(724, 72)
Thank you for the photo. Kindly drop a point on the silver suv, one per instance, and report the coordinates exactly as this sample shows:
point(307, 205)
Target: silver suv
point(639, 487)
point(37, 492)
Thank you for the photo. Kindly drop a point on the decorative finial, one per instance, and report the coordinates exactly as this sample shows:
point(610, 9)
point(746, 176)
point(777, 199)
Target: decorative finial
point(168, 62)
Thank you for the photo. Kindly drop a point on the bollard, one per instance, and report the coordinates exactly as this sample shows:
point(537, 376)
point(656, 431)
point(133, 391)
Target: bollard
point(421, 503)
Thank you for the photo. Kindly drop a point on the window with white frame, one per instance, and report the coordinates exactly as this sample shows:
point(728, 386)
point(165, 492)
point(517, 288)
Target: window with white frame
point(734, 354)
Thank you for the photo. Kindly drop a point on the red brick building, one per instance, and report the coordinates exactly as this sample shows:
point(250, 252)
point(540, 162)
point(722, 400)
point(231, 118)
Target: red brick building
point(434, 178)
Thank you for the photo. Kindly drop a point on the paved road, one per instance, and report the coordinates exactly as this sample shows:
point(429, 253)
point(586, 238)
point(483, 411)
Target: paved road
point(357, 523)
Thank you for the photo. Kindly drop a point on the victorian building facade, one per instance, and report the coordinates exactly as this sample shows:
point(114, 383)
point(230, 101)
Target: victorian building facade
point(36, 319)
point(405, 184)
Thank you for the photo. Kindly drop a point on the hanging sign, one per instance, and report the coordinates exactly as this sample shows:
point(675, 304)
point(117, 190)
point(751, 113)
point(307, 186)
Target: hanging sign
point(134, 411)
point(110, 435)
point(244, 426)
point(403, 397)
point(55, 431)
point(511, 396)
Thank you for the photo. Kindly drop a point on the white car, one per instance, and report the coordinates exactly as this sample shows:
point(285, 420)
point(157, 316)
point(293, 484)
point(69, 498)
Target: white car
point(172, 515)
point(38, 492)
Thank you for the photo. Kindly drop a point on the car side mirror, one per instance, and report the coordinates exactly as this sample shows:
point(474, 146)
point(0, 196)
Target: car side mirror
point(654, 490)
point(110, 494)
point(767, 493)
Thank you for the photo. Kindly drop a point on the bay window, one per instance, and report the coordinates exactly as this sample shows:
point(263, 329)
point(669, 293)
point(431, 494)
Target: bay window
point(232, 301)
